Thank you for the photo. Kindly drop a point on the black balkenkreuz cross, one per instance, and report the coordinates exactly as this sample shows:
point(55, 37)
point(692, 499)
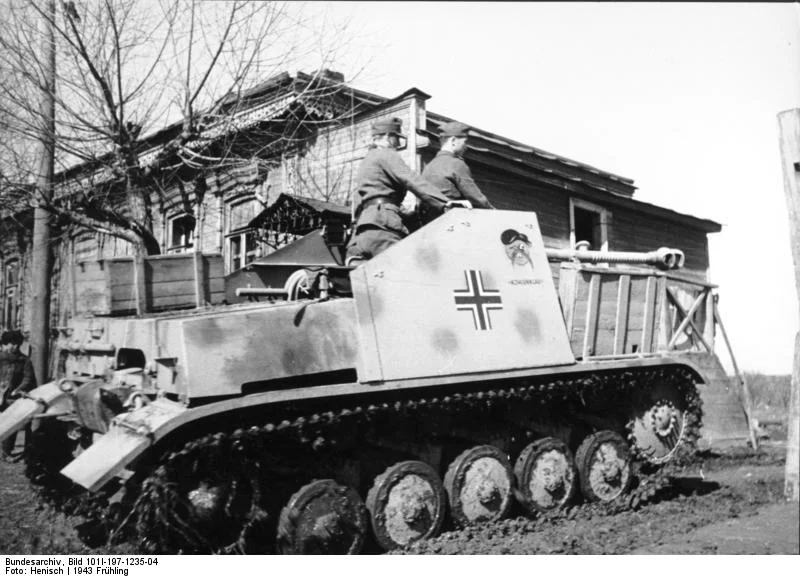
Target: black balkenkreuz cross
point(477, 299)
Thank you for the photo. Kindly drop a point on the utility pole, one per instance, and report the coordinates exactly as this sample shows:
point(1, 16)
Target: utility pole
point(42, 260)
point(789, 125)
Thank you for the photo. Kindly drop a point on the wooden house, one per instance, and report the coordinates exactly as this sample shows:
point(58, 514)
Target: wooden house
point(302, 137)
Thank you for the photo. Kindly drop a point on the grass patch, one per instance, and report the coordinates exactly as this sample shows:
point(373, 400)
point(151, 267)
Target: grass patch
point(770, 391)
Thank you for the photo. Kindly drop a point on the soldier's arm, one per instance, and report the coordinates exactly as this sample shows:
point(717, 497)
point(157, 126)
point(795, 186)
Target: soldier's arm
point(28, 382)
point(420, 187)
point(466, 185)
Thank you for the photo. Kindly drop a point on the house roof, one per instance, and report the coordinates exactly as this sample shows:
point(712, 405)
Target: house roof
point(577, 178)
point(322, 95)
point(326, 96)
point(553, 165)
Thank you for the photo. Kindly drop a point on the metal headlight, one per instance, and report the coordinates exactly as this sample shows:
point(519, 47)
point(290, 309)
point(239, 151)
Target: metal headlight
point(67, 386)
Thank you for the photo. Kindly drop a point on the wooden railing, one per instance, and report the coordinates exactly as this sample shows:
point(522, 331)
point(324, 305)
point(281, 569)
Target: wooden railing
point(619, 312)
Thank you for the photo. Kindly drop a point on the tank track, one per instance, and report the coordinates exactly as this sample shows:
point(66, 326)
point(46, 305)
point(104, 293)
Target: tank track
point(155, 517)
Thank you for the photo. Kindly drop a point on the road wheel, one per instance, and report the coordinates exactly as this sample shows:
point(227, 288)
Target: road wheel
point(479, 485)
point(546, 476)
point(406, 503)
point(604, 466)
point(323, 517)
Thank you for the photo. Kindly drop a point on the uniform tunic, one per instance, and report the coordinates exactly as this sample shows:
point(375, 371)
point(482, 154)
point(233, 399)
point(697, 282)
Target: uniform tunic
point(384, 176)
point(451, 174)
point(16, 375)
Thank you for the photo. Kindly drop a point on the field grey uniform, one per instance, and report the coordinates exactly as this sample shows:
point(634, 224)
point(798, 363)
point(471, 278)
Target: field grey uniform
point(381, 184)
point(16, 376)
point(449, 173)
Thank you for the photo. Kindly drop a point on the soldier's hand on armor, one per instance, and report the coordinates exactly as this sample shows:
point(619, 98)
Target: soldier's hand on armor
point(457, 204)
point(407, 212)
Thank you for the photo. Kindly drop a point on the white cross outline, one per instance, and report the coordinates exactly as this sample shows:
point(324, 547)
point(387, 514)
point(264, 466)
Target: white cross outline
point(478, 300)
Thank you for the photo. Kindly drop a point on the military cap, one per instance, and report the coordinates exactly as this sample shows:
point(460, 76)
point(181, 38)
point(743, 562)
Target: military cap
point(11, 337)
point(510, 235)
point(453, 129)
point(387, 126)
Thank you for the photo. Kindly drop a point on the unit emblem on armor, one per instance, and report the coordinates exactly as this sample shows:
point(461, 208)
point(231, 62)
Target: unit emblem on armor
point(478, 299)
point(518, 247)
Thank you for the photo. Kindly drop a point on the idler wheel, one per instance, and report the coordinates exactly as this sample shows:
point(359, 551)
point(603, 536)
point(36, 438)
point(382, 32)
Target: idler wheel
point(546, 476)
point(479, 485)
point(406, 503)
point(323, 517)
point(604, 466)
point(659, 424)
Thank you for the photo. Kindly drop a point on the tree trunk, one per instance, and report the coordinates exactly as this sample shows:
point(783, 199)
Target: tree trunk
point(42, 257)
point(141, 213)
point(792, 487)
point(789, 123)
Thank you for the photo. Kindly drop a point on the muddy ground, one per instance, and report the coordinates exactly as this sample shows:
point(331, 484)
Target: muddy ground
point(725, 502)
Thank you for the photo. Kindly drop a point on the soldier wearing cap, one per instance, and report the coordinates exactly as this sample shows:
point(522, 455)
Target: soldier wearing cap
point(381, 184)
point(449, 172)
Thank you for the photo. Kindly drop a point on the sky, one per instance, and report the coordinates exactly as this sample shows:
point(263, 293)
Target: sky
point(683, 98)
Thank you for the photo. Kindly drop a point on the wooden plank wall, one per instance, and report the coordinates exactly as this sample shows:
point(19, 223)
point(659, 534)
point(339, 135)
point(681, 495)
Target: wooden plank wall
point(171, 281)
point(634, 231)
point(629, 230)
point(327, 169)
point(507, 192)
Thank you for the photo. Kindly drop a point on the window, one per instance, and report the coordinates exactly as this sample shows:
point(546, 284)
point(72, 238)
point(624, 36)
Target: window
point(12, 273)
point(241, 213)
point(10, 302)
point(242, 244)
point(181, 230)
point(588, 222)
point(242, 250)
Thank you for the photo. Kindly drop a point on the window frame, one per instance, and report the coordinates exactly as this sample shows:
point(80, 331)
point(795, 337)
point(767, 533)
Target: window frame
point(242, 233)
point(188, 245)
point(605, 222)
point(246, 256)
point(11, 305)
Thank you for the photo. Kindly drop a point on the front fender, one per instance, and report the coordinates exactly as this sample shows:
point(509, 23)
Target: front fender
point(47, 400)
point(130, 434)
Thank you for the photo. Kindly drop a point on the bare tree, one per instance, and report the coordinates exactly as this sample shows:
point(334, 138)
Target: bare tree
point(149, 95)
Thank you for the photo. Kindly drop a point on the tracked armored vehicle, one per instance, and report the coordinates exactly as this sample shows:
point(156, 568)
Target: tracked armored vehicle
point(438, 384)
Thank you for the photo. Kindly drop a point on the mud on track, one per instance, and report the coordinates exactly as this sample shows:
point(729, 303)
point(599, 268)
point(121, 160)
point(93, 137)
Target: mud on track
point(717, 487)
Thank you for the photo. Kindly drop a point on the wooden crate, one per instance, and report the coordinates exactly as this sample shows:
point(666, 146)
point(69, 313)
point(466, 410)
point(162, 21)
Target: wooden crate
point(165, 282)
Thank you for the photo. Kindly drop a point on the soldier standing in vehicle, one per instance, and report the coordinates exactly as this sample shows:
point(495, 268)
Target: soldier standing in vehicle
point(381, 184)
point(448, 171)
point(16, 377)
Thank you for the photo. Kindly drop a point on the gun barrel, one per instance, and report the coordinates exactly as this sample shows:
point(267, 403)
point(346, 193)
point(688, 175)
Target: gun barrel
point(663, 258)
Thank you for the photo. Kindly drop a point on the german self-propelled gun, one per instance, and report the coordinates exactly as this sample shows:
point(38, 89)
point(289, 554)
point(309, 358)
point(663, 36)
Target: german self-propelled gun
point(440, 382)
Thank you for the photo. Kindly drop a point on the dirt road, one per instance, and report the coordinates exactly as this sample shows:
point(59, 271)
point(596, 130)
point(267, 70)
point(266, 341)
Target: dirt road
point(725, 503)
